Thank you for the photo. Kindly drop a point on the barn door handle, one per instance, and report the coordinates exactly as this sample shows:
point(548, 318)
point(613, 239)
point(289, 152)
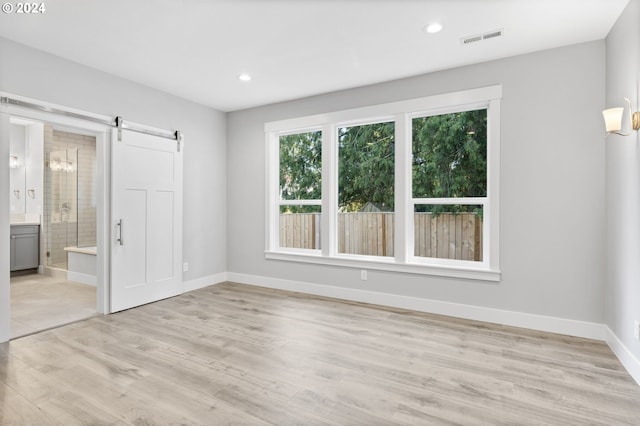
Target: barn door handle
point(120, 239)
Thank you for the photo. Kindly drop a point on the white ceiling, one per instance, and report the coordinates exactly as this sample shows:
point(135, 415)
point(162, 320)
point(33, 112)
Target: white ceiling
point(295, 48)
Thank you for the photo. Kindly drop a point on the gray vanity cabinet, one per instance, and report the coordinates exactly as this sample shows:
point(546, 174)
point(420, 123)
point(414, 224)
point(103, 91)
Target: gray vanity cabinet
point(25, 247)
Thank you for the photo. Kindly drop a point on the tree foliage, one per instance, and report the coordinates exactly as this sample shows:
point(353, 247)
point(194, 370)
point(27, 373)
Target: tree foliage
point(450, 158)
point(301, 169)
point(366, 165)
point(449, 154)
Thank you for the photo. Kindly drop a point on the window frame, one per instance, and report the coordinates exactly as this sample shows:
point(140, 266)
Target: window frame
point(279, 202)
point(335, 241)
point(402, 114)
point(483, 201)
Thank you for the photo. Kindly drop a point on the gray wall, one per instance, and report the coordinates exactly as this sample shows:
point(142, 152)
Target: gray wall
point(623, 182)
point(552, 187)
point(32, 73)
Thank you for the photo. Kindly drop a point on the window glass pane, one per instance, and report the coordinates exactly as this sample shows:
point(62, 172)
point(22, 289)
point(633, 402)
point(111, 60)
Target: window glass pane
point(365, 189)
point(450, 155)
point(448, 231)
point(300, 227)
point(301, 166)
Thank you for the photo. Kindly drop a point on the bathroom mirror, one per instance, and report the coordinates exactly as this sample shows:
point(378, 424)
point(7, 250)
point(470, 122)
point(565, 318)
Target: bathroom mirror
point(18, 170)
point(26, 165)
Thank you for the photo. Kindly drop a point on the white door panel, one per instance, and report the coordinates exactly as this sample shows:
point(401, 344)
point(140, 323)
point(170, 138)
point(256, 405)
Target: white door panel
point(132, 230)
point(162, 244)
point(158, 166)
point(147, 220)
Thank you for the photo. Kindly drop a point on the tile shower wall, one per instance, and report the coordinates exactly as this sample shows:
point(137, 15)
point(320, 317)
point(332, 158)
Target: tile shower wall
point(83, 232)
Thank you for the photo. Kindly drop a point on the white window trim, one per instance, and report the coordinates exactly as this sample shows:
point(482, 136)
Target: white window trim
point(402, 113)
point(300, 202)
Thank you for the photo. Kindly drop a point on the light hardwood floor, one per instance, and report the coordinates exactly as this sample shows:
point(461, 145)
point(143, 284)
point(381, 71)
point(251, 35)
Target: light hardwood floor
point(40, 302)
point(236, 354)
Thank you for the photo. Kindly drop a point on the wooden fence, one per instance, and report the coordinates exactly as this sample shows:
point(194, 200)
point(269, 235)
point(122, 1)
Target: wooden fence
point(448, 236)
point(444, 236)
point(365, 233)
point(300, 230)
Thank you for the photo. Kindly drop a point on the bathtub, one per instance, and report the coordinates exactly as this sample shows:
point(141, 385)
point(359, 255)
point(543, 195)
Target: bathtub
point(81, 264)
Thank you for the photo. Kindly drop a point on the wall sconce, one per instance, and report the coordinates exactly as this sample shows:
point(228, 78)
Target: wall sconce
point(13, 161)
point(54, 165)
point(57, 165)
point(613, 119)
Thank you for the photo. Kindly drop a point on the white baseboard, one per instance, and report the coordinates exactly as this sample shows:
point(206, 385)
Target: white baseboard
point(204, 281)
point(628, 360)
point(54, 272)
point(81, 278)
point(570, 327)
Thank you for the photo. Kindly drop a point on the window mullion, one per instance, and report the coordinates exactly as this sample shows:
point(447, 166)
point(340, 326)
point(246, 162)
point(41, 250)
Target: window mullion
point(456, 200)
point(329, 216)
point(300, 202)
point(402, 196)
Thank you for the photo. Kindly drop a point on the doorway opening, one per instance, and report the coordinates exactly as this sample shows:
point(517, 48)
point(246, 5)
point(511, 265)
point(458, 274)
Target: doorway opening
point(55, 192)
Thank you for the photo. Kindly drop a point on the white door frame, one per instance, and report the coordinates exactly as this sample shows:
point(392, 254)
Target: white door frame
point(103, 200)
point(5, 301)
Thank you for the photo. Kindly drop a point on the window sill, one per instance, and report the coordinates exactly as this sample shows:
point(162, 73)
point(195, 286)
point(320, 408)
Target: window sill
point(389, 265)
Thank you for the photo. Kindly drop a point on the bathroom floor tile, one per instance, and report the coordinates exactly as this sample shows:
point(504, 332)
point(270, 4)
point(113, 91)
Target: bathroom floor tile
point(40, 302)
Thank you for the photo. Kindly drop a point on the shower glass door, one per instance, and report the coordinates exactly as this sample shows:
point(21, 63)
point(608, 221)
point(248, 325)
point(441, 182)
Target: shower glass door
point(61, 206)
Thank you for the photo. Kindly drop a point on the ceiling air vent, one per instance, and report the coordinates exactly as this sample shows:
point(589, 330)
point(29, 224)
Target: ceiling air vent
point(481, 37)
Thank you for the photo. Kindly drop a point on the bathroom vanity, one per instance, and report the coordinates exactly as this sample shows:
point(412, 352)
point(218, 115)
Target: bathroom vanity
point(26, 184)
point(25, 247)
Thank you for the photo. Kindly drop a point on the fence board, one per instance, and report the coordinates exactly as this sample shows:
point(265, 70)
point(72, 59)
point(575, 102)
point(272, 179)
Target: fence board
point(298, 230)
point(459, 237)
point(445, 236)
point(467, 249)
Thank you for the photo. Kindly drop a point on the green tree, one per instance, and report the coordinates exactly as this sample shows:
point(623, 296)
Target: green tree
point(301, 169)
point(366, 165)
point(449, 160)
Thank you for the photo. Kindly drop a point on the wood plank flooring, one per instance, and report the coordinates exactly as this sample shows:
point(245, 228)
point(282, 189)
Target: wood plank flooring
point(40, 302)
point(236, 354)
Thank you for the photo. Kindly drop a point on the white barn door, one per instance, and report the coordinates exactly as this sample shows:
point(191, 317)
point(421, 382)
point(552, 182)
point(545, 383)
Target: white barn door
point(146, 217)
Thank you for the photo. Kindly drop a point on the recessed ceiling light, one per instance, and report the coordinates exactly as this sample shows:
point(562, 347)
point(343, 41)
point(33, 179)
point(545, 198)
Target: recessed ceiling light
point(244, 77)
point(433, 28)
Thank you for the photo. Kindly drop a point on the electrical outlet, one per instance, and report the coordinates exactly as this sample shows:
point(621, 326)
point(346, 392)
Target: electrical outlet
point(185, 267)
point(363, 275)
point(636, 330)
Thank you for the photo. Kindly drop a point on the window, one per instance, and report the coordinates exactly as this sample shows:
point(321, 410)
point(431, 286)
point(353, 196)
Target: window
point(366, 189)
point(449, 184)
point(300, 188)
point(409, 186)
